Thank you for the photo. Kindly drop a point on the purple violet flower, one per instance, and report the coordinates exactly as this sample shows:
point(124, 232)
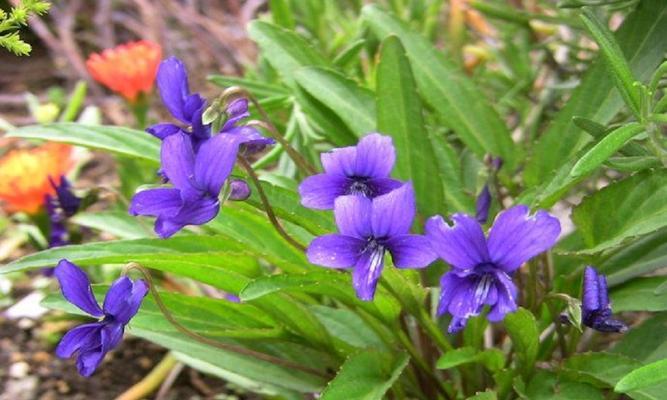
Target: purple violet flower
point(92, 341)
point(482, 268)
point(595, 307)
point(58, 208)
point(359, 170)
point(197, 180)
point(368, 228)
point(482, 205)
point(187, 107)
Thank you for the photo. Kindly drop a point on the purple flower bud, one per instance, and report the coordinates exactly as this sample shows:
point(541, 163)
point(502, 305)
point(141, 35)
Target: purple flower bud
point(496, 163)
point(595, 305)
point(66, 200)
point(483, 204)
point(238, 109)
point(239, 190)
point(91, 341)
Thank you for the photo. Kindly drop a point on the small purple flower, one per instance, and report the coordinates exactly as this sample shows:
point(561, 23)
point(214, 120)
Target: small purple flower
point(92, 341)
point(197, 180)
point(58, 208)
point(359, 170)
point(367, 229)
point(187, 107)
point(596, 309)
point(482, 268)
point(482, 206)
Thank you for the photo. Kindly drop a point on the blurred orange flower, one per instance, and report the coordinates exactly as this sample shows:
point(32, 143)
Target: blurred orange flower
point(24, 175)
point(128, 69)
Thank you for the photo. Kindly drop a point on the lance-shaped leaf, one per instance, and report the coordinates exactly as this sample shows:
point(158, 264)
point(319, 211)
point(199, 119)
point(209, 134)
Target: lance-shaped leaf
point(643, 377)
point(623, 211)
point(400, 116)
point(447, 89)
point(605, 148)
point(354, 105)
point(614, 60)
point(641, 39)
point(285, 50)
point(119, 140)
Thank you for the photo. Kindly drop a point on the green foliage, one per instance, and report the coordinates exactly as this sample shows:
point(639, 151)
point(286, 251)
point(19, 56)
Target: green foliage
point(15, 19)
point(590, 118)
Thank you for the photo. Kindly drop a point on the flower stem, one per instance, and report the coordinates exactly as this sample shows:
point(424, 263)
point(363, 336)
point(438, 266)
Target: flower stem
point(298, 159)
point(267, 205)
point(152, 381)
point(214, 343)
point(407, 344)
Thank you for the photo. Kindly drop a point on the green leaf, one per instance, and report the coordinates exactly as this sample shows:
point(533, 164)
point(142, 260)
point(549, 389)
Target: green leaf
point(638, 258)
point(75, 102)
point(212, 318)
point(118, 223)
point(640, 294)
point(257, 88)
point(347, 326)
point(354, 105)
point(329, 283)
point(646, 342)
point(215, 260)
point(641, 38)
point(606, 370)
point(282, 13)
point(115, 139)
point(643, 377)
point(366, 376)
point(492, 359)
point(545, 385)
point(451, 174)
point(285, 50)
point(603, 369)
point(605, 148)
point(522, 328)
point(486, 395)
point(447, 89)
point(286, 204)
point(623, 211)
point(349, 53)
point(615, 61)
point(400, 116)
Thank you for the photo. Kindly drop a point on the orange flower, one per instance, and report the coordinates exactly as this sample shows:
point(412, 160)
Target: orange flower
point(24, 175)
point(128, 69)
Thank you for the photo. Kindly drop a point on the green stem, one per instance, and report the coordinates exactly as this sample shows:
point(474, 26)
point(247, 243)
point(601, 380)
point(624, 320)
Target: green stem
point(407, 344)
point(152, 381)
point(140, 111)
point(267, 205)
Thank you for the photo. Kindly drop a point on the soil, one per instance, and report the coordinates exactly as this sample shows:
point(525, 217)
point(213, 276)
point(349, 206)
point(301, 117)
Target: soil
point(29, 370)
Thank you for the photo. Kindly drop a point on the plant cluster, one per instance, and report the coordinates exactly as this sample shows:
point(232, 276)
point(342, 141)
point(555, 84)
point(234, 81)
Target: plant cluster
point(487, 211)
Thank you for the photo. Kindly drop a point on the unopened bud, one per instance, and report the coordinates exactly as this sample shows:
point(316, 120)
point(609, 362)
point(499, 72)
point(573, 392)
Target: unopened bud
point(238, 190)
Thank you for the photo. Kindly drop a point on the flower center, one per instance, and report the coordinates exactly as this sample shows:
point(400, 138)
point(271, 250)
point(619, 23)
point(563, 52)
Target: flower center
point(360, 187)
point(376, 258)
point(482, 288)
